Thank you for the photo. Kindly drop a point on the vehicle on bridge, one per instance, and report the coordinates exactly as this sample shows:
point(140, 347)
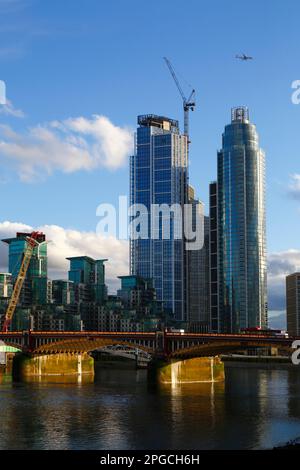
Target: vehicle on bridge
point(265, 332)
point(172, 329)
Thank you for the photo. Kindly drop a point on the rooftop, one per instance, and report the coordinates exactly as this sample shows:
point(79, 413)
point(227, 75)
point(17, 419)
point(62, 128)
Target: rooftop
point(23, 236)
point(148, 120)
point(86, 258)
point(293, 274)
point(240, 114)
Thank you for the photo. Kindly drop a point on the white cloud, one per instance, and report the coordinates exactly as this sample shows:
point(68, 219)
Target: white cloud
point(8, 109)
point(283, 263)
point(64, 243)
point(277, 320)
point(280, 265)
point(68, 146)
point(294, 186)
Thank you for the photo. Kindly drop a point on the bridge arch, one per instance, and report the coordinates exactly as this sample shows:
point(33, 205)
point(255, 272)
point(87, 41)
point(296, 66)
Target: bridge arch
point(86, 345)
point(219, 348)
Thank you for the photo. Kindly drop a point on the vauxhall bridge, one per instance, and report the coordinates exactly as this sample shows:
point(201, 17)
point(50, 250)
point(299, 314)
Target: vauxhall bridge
point(172, 357)
point(48, 353)
point(162, 344)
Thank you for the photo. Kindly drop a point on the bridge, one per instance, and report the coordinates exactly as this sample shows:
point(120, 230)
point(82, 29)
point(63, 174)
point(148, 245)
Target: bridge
point(175, 357)
point(168, 344)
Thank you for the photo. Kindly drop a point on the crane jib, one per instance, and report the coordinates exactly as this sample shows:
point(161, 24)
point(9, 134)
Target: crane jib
point(31, 243)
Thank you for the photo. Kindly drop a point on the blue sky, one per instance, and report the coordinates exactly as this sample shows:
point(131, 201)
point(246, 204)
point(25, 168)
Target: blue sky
point(76, 58)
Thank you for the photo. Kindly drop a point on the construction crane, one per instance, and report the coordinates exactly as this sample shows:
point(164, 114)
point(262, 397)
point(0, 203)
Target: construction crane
point(188, 103)
point(13, 302)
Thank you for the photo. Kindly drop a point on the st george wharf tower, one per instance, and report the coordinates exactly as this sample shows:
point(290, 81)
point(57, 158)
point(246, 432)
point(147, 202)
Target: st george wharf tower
point(238, 266)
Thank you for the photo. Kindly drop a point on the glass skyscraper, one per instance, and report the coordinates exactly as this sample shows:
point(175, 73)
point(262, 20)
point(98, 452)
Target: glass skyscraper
point(158, 175)
point(241, 228)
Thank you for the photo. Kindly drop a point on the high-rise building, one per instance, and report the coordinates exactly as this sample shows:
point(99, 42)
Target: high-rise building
point(158, 175)
point(88, 276)
point(204, 277)
point(293, 304)
point(198, 271)
point(6, 286)
point(139, 295)
point(241, 228)
point(213, 257)
point(36, 288)
point(63, 292)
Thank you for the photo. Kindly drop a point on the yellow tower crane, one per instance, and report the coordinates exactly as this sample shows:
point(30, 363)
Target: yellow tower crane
point(13, 302)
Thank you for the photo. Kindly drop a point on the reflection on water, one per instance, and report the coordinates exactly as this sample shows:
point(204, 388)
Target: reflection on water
point(254, 408)
point(5, 378)
point(60, 379)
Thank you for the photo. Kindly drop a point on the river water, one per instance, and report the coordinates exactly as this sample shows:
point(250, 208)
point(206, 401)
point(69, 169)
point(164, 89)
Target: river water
point(255, 408)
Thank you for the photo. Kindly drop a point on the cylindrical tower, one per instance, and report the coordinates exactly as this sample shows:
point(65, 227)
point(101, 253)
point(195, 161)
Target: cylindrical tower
point(241, 227)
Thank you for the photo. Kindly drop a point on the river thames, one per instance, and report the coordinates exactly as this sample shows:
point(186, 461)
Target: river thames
point(253, 409)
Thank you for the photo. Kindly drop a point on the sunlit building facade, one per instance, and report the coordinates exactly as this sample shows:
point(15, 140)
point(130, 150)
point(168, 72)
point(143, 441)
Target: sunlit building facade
point(158, 175)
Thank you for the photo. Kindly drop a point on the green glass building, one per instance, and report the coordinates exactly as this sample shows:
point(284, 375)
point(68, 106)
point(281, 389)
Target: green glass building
point(88, 276)
point(36, 286)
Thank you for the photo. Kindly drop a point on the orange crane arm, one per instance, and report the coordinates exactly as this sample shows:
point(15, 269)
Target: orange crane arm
point(13, 302)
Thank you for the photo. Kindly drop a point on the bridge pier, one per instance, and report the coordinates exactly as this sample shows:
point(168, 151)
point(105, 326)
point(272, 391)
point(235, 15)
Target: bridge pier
point(187, 371)
point(60, 368)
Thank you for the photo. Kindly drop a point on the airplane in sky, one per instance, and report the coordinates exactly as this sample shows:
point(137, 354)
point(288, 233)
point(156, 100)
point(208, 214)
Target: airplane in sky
point(244, 57)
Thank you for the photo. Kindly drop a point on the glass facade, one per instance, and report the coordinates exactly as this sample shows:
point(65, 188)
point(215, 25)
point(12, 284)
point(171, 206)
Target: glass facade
point(63, 292)
point(38, 263)
point(158, 175)
point(82, 270)
point(241, 227)
point(35, 288)
point(88, 276)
